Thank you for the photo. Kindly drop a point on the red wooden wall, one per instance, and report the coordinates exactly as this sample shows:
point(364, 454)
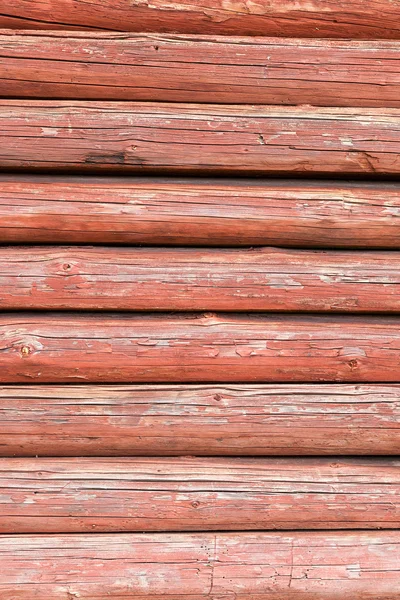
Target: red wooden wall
point(199, 294)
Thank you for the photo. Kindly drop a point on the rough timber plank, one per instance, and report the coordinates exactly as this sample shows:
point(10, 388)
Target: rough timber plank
point(188, 279)
point(143, 137)
point(110, 66)
point(247, 566)
point(36, 209)
point(319, 18)
point(77, 495)
point(56, 348)
point(157, 420)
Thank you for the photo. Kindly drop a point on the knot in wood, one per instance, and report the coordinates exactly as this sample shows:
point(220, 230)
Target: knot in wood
point(25, 351)
point(353, 364)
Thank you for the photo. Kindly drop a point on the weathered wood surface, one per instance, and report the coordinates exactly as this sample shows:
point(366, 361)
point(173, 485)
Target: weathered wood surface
point(36, 209)
point(76, 495)
point(156, 420)
point(57, 348)
point(319, 18)
point(150, 137)
point(244, 566)
point(188, 279)
point(110, 66)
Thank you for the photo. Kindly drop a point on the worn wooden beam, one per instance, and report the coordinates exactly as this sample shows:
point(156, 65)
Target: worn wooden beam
point(247, 566)
point(77, 495)
point(320, 18)
point(162, 420)
point(142, 137)
point(190, 279)
point(110, 66)
point(38, 209)
point(56, 348)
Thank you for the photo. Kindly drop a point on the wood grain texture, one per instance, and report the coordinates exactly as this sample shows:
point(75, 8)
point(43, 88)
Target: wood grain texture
point(112, 66)
point(56, 348)
point(304, 18)
point(170, 420)
point(191, 279)
point(77, 495)
point(36, 209)
point(150, 137)
point(247, 566)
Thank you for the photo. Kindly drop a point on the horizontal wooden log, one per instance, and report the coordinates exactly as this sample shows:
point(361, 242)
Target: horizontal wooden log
point(150, 137)
point(247, 566)
point(36, 209)
point(320, 18)
point(110, 66)
point(76, 495)
point(188, 279)
point(199, 420)
point(56, 348)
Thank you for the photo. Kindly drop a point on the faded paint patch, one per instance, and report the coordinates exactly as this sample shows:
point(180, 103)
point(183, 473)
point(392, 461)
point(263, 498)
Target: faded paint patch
point(49, 131)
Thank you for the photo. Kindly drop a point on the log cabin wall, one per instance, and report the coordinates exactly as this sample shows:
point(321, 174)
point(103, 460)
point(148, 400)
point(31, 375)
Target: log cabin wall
point(199, 294)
